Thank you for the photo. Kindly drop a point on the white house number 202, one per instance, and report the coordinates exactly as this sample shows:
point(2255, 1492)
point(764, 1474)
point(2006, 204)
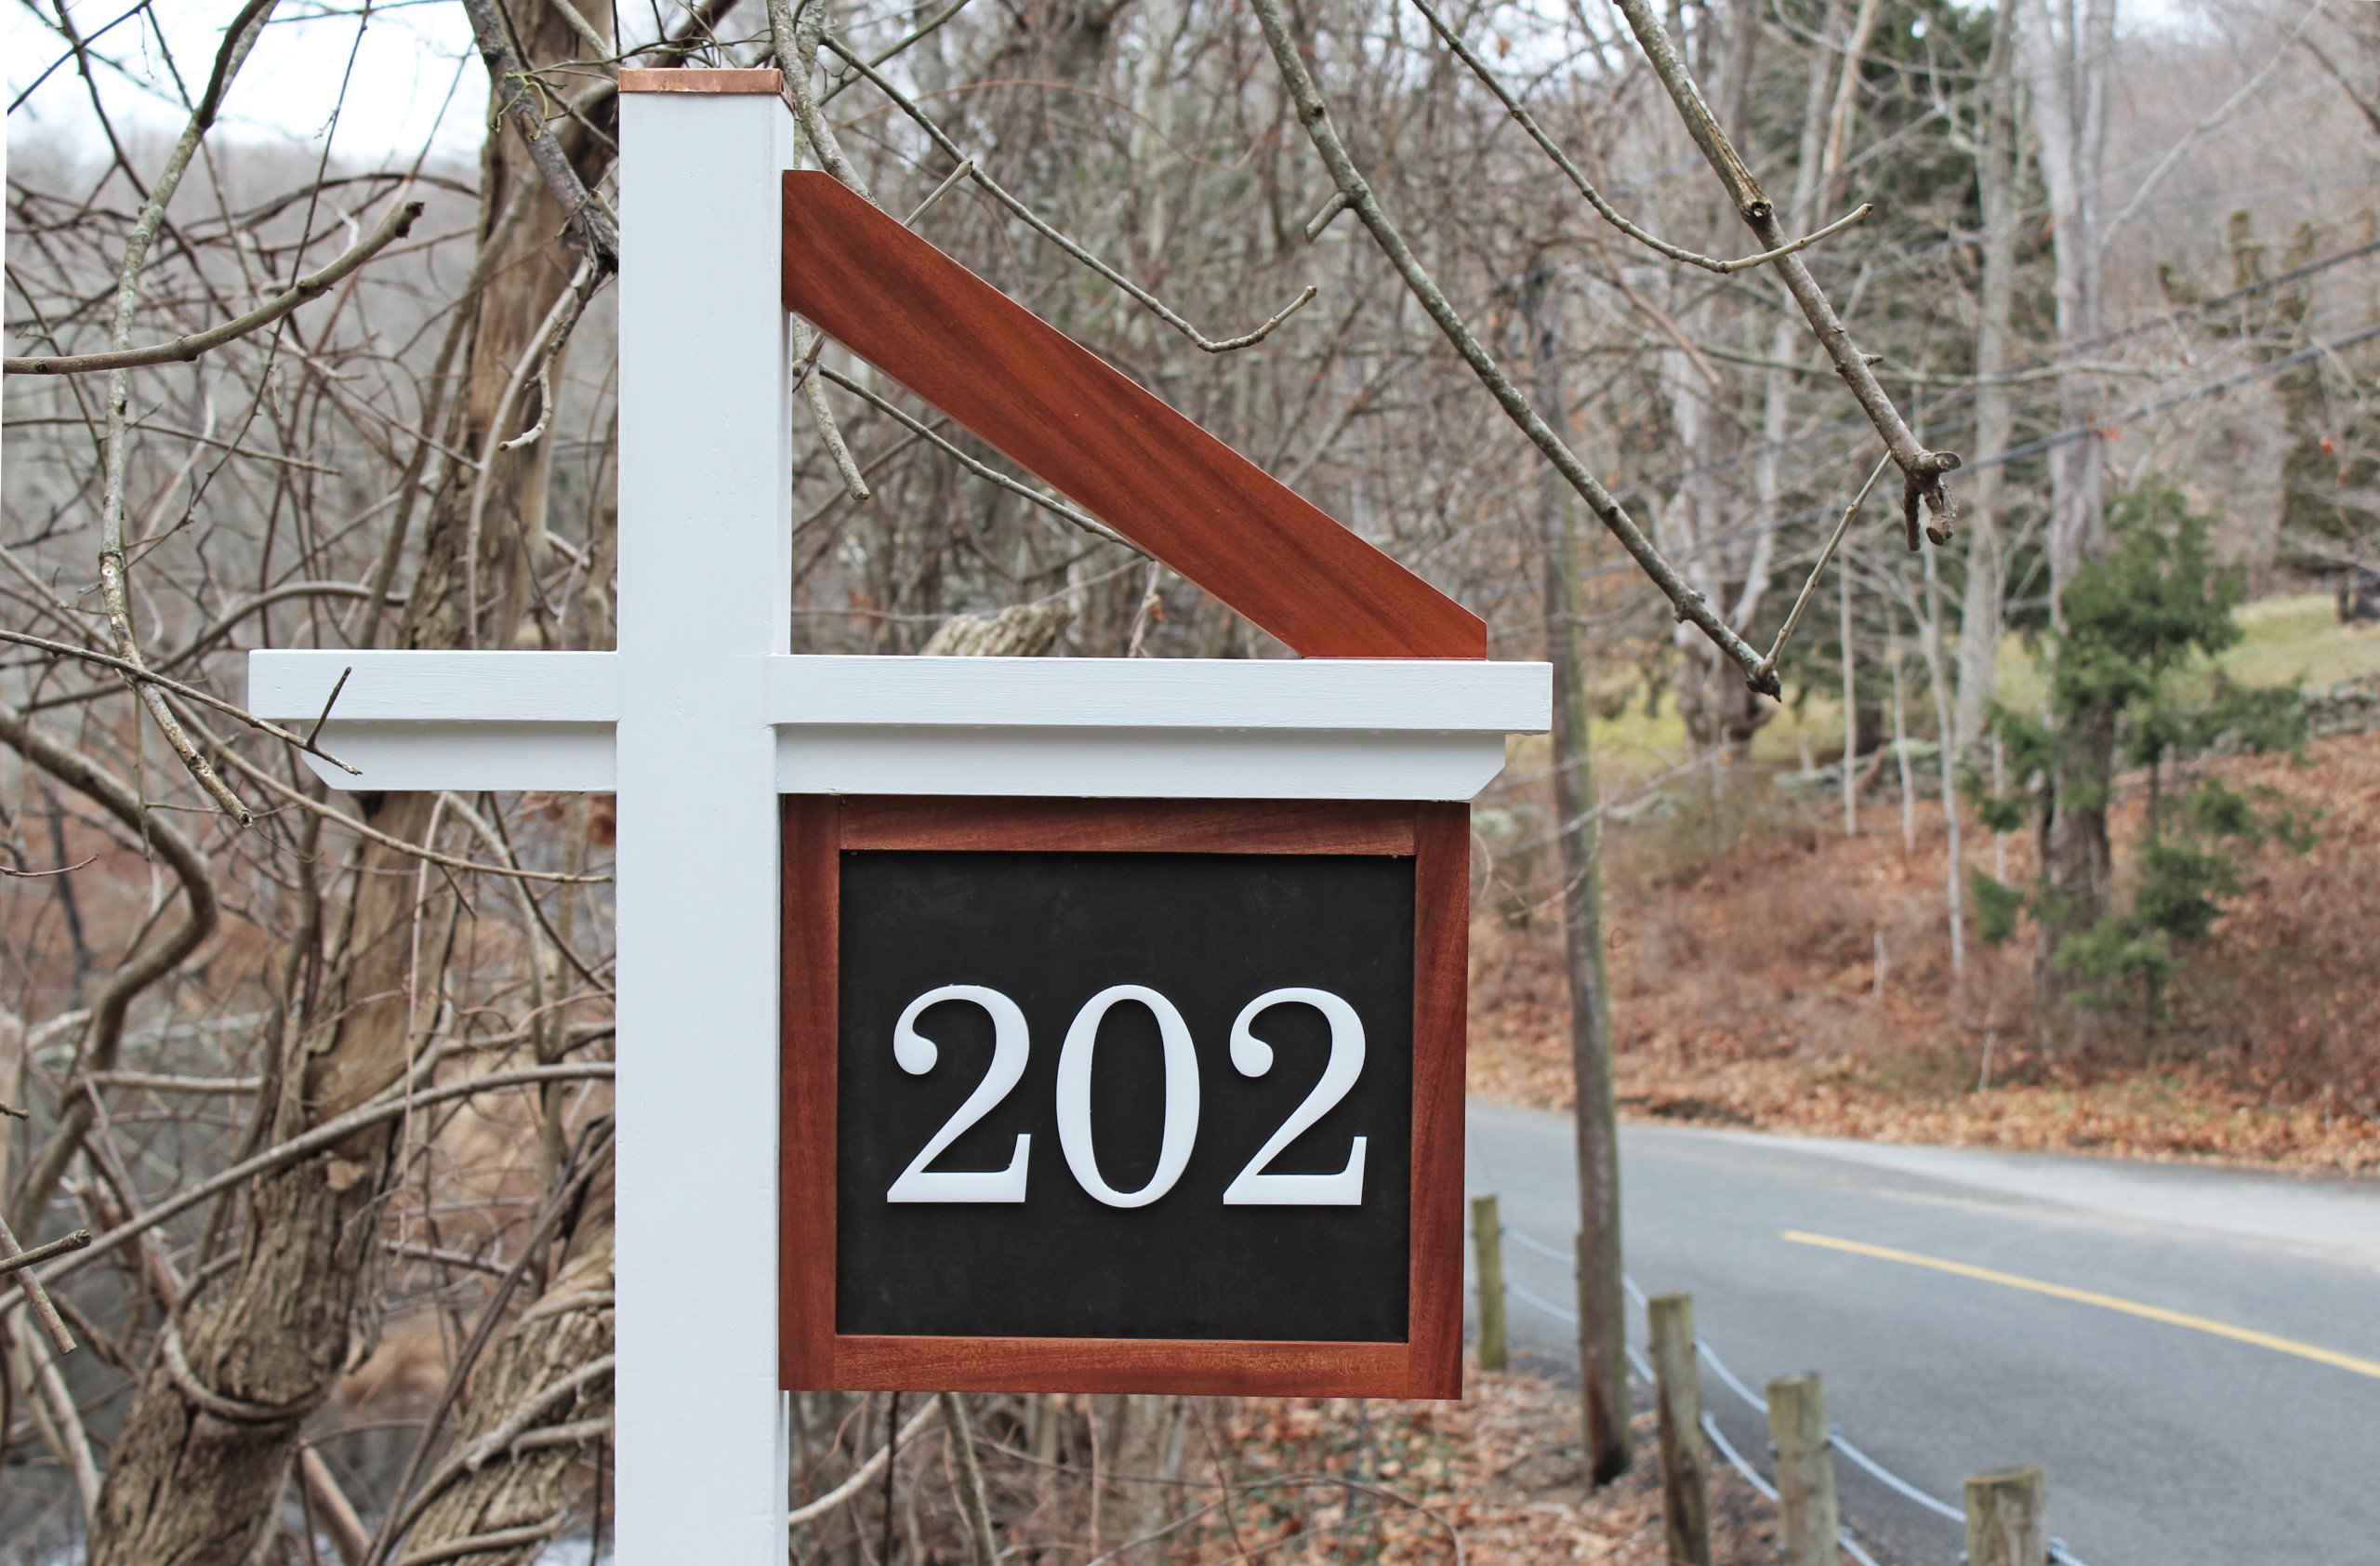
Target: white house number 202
point(1252, 1055)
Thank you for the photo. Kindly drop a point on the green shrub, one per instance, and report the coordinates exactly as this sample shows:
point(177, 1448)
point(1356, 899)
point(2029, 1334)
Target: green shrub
point(2143, 624)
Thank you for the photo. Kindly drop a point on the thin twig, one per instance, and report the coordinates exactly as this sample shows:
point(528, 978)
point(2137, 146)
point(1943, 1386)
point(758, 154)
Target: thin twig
point(328, 702)
point(393, 227)
point(793, 37)
point(265, 780)
point(36, 875)
point(1586, 187)
point(971, 1481)
point(2174, 154)
point(19, 1261)
point(329, 1133)
point(1785, 632)
point(137, 674)
point(861, 1477)
point(156, 1081)
point(543, 344)
point(1922, 469)
point(1033, 221)
point(1083, 520)
point(566, 1388)
point(924, 31)
point(1689, 603)
point(502, 1539)
point(238, 40)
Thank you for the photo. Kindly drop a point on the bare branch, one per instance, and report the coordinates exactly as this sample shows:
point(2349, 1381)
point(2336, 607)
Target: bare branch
point(520, 1419)
point(1922, 469)
point(1059, 509)
point(545, 344)
point(237, 41)
point(264, 779)
point(396, 1102)
point(15, 1257)
point(925, 29)
point(135, 673)
point(1586, 188)
point(73, 1242)
point(1793, 618)
point(793, 37)
point(522, 100)
point(393, 227)
point(156, 1081)
point(150, 964)
point(980, 1538)
point(1033, 221)
point(500, 1539)
point(810, 1511)
point(2230, 105)
point(1689, 601)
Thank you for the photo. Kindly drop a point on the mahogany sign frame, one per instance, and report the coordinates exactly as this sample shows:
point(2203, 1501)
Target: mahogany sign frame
point(817, 1355)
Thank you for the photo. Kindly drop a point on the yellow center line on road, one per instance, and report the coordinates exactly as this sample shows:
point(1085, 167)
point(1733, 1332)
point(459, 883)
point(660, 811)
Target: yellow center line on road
point(2106, 1302)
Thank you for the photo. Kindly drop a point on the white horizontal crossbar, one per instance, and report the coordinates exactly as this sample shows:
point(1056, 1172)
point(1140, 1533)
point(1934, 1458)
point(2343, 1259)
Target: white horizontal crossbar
point(1399, 695)
point(466, 721)
point(1211, 728)
point(437, 687)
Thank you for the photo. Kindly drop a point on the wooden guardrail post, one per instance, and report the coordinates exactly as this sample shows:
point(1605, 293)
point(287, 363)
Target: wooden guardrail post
point(2006, 1521)
point(1677, 1393)
point(1804, 1472)
point(1487, 1243)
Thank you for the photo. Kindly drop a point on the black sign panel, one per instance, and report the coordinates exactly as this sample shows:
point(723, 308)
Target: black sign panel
point(1105, 1046)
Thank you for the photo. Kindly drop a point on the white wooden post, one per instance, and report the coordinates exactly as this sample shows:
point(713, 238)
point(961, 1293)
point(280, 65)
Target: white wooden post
point(705, 535)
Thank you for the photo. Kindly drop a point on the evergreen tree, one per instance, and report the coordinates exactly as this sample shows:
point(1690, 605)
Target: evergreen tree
point(2143, 626)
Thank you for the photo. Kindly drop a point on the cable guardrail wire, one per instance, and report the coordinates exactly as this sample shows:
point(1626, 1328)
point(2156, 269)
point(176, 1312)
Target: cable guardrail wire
point(1530, 1242)
point(2059, 1553)
point(1557, 1312)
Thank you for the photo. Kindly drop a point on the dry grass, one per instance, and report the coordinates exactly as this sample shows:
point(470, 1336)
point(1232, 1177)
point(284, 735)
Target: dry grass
point(1745, 934)
point(1501, 1467)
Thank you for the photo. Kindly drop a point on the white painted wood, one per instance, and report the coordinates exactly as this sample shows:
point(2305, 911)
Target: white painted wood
point(1106, 727)
point(1135, 764)
point(556, 756)
point(706, 535)
point(290, 686)
point(1327, 694)
point(469, 721)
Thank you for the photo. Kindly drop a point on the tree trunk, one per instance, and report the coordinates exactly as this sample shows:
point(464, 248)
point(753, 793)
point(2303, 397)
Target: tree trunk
point(570, 1326)
point(1999, 152)
point(1603, 1320)
point(207, 1446)
point(2066, 57)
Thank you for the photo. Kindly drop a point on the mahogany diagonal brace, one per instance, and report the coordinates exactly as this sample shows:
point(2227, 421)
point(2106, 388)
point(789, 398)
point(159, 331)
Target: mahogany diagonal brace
point(1094, 435)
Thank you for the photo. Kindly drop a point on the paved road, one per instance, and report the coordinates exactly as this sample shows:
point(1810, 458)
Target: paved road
point(2165, 1444)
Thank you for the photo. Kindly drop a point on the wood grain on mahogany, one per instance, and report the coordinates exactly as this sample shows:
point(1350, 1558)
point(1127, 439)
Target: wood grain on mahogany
point(1119, 451)
point(638, 79)
point(810, 928)
point(1212, 1367)
point(1129, 826)
point(1441, 968)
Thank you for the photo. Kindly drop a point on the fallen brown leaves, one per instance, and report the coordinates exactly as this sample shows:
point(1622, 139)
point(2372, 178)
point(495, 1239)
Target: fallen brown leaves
point(1745, 945)
point(1501, 1467)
